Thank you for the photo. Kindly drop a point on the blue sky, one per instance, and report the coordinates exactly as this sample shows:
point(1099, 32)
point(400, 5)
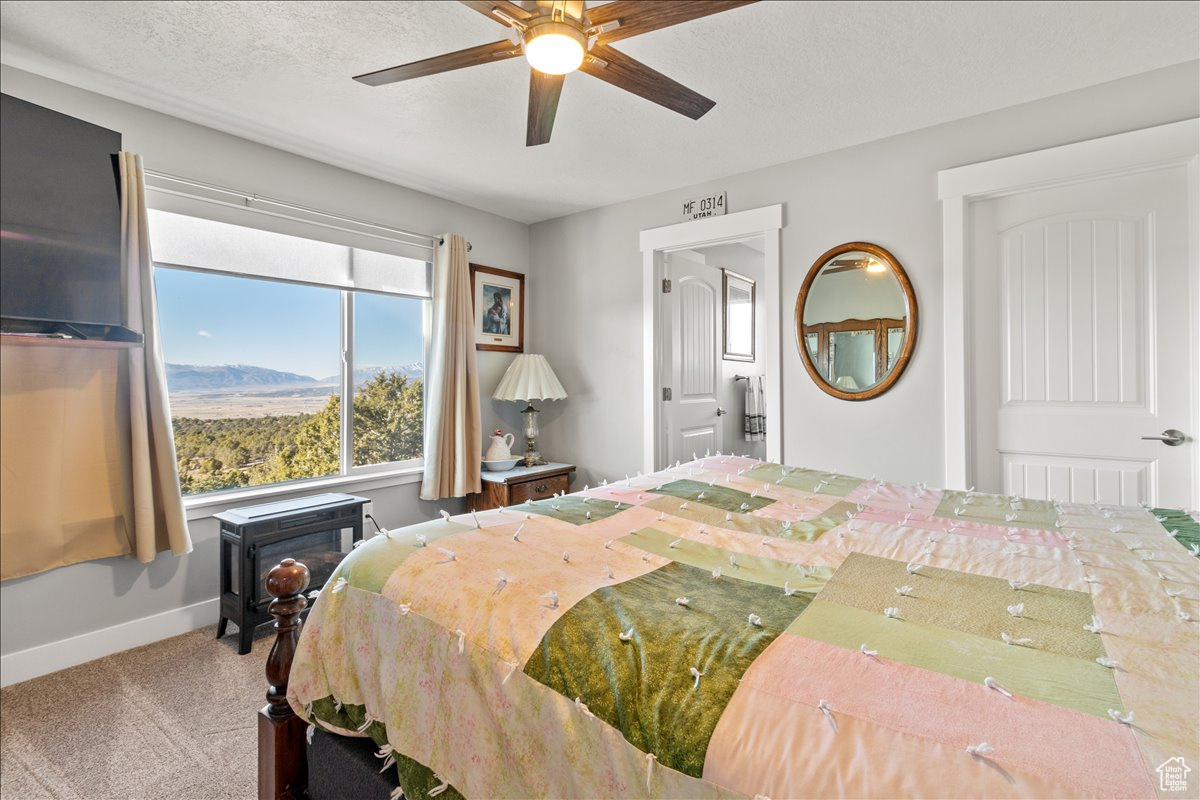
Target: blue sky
point(210, 319)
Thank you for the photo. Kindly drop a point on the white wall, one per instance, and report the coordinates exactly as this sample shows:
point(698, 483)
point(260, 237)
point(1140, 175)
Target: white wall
point(84, 598)
point(883, 192)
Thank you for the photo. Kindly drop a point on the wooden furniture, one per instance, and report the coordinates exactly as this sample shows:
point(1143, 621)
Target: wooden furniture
point(515, 486)
point(310, 529)
point(282, 767)
point(881, 328)
point(854, 262)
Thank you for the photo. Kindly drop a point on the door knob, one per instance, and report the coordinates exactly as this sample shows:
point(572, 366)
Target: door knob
point(1170, 437)
point(721, 412)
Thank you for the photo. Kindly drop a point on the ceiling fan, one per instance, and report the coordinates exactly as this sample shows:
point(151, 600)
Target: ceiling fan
point(560, 36)
point(847, 264)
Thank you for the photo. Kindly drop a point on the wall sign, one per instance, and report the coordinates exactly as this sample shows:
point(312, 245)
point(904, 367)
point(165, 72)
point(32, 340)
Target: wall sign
point(712, 205)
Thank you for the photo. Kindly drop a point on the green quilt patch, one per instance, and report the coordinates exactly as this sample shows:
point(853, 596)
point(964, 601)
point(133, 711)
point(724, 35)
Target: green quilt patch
point(808, 530)
point(994, 509)
point(1049, 677)
point(757, 569)
point(1176, 520)
point(643, 687)
point(950, 622)
point(574, 509)
point(1050, 617)
point(806, 480)
point(415, 779)
point(722, 497)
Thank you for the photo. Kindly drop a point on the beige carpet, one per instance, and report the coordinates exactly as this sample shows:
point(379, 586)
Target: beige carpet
point(174, 719)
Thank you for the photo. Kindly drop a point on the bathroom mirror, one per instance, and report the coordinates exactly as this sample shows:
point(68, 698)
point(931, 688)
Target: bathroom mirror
point(856, 321)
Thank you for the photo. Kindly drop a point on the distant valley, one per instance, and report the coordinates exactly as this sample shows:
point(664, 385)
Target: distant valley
point(239, 390)
point(192, 377)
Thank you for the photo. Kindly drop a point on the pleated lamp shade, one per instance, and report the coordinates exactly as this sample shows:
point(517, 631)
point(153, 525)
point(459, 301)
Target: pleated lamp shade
point(529, 377)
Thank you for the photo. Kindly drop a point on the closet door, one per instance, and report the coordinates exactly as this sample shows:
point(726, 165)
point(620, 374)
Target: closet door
point(1084, 341)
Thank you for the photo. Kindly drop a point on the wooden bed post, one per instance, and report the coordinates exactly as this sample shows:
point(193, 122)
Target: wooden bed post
point(282, 759)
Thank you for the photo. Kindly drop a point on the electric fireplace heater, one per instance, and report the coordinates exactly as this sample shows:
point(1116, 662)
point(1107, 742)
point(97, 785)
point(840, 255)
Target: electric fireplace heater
point(317, 531)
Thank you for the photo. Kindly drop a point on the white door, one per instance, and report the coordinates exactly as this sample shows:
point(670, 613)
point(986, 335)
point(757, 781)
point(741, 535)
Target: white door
point(692, 356)
point(1084, 341)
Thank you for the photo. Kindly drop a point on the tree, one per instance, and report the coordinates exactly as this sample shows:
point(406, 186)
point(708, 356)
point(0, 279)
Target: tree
point(388, 420)
point(251, 451)
point(317, 443)
point(388, 426)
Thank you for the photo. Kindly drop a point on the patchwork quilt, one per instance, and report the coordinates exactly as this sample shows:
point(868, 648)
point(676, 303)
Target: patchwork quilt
point(735, 628)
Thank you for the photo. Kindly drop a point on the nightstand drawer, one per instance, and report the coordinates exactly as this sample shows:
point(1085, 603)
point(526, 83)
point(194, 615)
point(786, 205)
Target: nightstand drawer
point(536, 489)
point(510, 487)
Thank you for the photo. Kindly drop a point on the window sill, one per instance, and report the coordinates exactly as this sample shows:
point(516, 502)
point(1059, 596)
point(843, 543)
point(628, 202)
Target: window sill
point(204, 506)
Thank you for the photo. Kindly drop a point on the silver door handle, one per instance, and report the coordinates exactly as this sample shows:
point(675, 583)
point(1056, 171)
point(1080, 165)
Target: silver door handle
point(1170, 437)
point(721, 412)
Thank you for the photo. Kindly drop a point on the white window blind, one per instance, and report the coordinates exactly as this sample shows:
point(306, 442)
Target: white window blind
point(192, 242)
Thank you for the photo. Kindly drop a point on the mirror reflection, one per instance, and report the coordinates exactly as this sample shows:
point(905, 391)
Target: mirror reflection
point(856, 319)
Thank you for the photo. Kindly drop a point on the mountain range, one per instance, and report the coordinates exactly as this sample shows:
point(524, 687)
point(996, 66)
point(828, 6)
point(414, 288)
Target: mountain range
point(195, 377)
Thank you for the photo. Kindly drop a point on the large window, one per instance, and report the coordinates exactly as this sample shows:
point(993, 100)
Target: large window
point(257, 366)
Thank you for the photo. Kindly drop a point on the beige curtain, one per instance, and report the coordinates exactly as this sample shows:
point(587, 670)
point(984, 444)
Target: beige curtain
point(453, 435)
point(156, 520)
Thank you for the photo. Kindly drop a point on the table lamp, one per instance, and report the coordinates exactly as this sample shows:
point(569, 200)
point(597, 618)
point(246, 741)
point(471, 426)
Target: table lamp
point(530, 378)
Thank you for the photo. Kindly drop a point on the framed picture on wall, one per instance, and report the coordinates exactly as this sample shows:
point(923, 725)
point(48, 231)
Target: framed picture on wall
point(499, 309)
point(738, 294)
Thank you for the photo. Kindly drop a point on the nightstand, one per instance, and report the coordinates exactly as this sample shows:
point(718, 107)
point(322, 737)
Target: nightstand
point(519, 484)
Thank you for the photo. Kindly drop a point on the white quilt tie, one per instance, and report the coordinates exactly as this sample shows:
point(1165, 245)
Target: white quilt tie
point(824, 708)
point(1117, 716)
point(388, 755)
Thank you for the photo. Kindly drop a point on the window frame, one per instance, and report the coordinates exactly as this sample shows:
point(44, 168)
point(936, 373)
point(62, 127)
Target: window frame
point(349, 476)
point(347, 412)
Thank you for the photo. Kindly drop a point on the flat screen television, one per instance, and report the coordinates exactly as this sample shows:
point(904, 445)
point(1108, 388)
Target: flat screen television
point(60, 243)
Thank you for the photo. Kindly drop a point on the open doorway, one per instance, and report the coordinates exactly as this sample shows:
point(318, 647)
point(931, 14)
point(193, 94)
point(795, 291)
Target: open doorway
point(713, 358)
point(713, 338)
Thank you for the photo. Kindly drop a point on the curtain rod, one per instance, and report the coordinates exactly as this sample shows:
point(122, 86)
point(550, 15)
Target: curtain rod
point(248, 198)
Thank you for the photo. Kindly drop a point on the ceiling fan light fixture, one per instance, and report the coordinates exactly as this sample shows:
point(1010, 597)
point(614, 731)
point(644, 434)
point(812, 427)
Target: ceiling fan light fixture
point(875, 266)
point(554, 48)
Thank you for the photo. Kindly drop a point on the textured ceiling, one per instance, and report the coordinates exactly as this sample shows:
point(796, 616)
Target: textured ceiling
point(790, 79)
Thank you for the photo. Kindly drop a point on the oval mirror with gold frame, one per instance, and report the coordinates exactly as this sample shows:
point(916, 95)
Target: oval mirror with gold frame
point(856, 321)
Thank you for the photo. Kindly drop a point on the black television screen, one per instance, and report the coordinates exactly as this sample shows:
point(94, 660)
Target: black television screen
point(60, 247)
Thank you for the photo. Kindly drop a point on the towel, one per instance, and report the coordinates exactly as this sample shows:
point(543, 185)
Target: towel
point(755, 424)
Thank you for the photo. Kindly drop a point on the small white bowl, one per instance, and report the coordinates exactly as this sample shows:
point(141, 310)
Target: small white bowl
point(500, 465)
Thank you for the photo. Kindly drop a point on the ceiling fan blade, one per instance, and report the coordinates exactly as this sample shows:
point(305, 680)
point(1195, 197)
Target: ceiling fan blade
point(483, 54)
point(612, 66)
point(642, 16)
point(485, 7)
point(833, 270)
point(544, 91)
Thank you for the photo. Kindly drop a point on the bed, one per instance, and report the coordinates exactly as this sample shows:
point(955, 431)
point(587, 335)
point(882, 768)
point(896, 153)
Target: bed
point(735, 628)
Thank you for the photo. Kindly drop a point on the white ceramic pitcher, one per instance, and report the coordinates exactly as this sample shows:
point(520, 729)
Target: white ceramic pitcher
point(501, 446)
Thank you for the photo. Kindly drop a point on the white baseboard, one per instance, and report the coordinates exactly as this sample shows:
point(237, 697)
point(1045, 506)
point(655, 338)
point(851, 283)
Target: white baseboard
point(44, 659)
